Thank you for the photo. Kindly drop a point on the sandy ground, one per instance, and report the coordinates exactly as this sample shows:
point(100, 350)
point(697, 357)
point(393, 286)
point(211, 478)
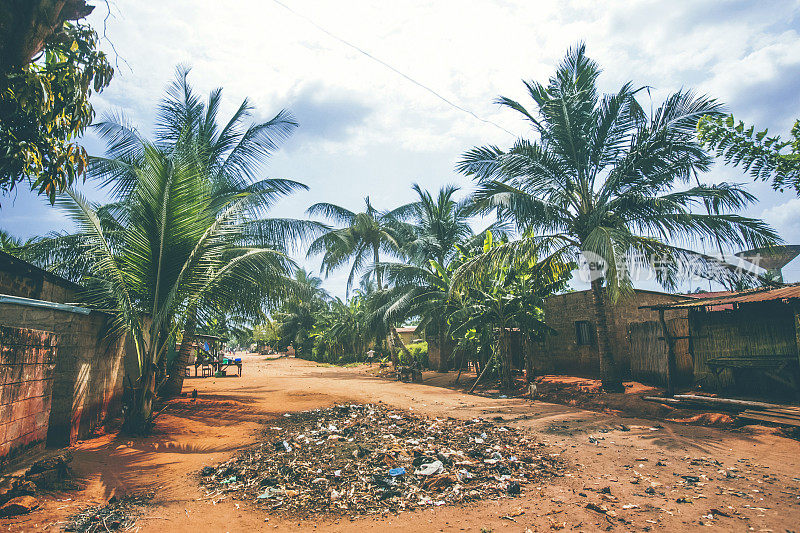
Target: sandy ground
point(756, 483)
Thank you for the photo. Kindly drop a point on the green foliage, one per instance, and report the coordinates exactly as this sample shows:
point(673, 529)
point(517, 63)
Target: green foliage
point(418, 352)
point(44, 108)
point(499, 293)
point(762, 156)
point(361, 239)
point(9, 243)
point(435, 225)
point(183, 245)
point(267, 333)
point(297, 317)
point(603, 176)
point(174, 254)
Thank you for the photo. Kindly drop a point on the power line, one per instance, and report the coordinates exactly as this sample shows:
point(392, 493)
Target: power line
point(390, 67)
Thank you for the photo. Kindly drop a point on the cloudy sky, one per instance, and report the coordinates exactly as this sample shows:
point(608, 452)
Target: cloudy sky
point(365, 130)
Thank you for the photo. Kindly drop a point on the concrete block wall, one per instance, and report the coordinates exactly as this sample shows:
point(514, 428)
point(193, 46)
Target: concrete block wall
point(19, 278)
point(88, 375)
point(439, 356)
point(27, 362)
point(561, 353)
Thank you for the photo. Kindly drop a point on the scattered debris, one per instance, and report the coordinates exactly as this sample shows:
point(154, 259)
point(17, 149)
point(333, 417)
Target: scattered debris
point(118, 515)
point(16, 493)
point(371, 459)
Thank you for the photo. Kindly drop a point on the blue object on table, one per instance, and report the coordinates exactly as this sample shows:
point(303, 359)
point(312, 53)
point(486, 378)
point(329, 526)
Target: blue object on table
point(395, 472)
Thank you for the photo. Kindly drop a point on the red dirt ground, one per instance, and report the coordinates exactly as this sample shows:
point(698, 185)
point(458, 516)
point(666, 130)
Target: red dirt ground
point(755, 486)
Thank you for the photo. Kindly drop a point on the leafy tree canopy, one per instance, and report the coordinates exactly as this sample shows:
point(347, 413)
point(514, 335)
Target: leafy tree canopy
point(764, 157)
point(49, 66)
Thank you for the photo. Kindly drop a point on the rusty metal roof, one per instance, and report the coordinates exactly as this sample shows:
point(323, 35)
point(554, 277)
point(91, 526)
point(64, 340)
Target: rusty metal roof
point(789, 292)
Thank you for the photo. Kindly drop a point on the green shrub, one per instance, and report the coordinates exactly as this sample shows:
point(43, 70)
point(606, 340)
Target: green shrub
point(419, 351)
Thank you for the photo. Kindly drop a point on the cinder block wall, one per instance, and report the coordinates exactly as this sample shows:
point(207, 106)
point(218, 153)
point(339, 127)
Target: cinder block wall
point(88, 374)
point(27, 361)
point(439, 356)
point(19, 278)
point(561, 353)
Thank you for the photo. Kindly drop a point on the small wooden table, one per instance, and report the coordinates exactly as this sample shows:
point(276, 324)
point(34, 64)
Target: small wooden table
point(773, 366)
point(209, 368)
point(225, 363)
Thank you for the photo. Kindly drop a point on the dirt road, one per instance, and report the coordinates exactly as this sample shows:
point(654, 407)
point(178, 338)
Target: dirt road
point(748, 480)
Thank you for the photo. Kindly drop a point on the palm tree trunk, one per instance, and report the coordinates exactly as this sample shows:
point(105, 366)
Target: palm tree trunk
point(140, 412)
point(377, 259)
point(608, 367)
point(174, 384)
point(395, 344)
point(398, 342)
point(528, 352)
point(503, 348)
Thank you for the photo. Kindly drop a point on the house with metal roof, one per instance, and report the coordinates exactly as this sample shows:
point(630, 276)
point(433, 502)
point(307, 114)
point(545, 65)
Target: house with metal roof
point(748, 340)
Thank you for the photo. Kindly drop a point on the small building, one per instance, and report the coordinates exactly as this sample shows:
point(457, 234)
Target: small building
point(573, 348)
point(408, 334)
point(748, 341)
point(62, 379)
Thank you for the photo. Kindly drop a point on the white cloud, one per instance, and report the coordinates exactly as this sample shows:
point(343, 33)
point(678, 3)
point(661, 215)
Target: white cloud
point(366, 130)
point(785, 218)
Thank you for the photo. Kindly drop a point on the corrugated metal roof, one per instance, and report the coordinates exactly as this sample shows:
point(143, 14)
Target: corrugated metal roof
point(789, 292)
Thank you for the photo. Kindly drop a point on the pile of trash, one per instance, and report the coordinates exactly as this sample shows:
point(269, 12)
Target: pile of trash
point(371, 459)
point(118, 515)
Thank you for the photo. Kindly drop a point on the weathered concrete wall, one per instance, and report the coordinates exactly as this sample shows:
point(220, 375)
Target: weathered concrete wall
point(19, 278)
point(88, 374)
point(27, 360)
point(439, 356)
point(561, 353)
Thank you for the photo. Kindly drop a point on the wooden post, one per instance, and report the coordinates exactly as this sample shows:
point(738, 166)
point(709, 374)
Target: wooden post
point(796, 308)
point(797, 329)
point(671, 365)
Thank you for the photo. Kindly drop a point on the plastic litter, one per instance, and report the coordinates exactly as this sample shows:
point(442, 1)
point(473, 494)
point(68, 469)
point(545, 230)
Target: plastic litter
point(357, 460)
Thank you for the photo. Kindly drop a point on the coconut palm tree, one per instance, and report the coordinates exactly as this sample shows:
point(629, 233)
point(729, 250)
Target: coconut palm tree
point(231, 156)
point(362, 239)
point(342, 330)
point(600, 178)
point(436, 237)
point(220, 164)
point(175, 253)
point(431, 230)
point(299, 314)
point(435, 225)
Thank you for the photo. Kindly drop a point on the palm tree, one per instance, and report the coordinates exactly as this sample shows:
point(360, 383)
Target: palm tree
point(342, 330)
point(436, 225)
point(362, 239)
point(300, 312)
point(230, 157)
point(432, 229)
point(9, 243)
point(600, 179)
point(174, 254)
point(186, 221)
point(437, 234)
